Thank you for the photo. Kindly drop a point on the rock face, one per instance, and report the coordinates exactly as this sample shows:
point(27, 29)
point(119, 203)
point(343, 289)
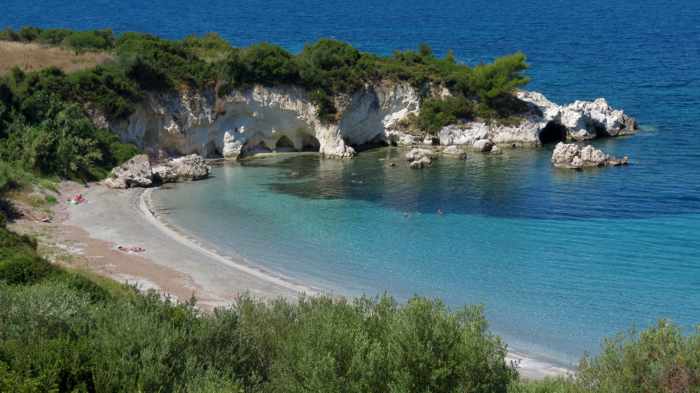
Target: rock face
point(264, 119)
point(544, 122)
point(269, 119)
point(134, 173)
point(137, 172)
point(191, 167)
point(419, 158)
point(573, 156)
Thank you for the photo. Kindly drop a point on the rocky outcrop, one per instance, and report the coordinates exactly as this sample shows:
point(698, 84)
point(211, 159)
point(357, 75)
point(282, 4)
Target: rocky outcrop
point(574, 156)
point(187, 168)
point(248, 121)
point(581, 120)
point(419, 158)
point(544, 122)
point(283, 118)
point(138, 172)
point(454, 152)
point(134, 173)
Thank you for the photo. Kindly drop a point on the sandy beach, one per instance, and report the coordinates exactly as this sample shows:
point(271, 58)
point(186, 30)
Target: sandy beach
point(171, 262)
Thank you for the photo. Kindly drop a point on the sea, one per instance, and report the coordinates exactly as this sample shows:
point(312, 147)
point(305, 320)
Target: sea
point(559, 259)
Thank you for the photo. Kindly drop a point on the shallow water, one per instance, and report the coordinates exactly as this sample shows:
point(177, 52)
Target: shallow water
point(560, 259)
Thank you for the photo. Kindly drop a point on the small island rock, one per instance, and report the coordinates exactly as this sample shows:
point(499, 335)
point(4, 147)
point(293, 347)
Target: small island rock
point(573, 156)
point(419, 158)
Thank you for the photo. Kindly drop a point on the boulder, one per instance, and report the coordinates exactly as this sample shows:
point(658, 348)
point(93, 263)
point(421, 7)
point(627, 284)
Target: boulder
point(134, 173)
point(483, 145)
point(192, 167)
point(419, 158)
point(573, 156)
point(422, 162)
point(164, 173)
point(455, 151)
point(463, 134)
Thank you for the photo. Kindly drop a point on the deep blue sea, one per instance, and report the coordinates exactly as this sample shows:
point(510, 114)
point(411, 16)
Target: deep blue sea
point(560, 259)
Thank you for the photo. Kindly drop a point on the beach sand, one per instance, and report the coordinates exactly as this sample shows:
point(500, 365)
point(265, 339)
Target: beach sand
point(172, 263)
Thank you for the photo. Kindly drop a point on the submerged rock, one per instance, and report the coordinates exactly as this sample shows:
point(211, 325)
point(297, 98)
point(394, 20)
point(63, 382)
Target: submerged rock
point(419, 158)
point(573, 156)
point(134, 173)
point(455, 152)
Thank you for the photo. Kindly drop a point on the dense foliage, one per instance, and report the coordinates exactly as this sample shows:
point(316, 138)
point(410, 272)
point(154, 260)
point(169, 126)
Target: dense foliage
point(326, 69)
point(45, 130)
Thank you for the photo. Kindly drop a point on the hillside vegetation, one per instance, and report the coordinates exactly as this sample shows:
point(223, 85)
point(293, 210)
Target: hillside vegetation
point(44, 122)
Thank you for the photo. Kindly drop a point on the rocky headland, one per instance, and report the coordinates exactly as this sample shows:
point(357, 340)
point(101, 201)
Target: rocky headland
point(262, 119)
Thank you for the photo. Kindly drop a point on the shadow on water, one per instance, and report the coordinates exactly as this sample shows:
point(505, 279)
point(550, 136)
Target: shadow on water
point(515, 184)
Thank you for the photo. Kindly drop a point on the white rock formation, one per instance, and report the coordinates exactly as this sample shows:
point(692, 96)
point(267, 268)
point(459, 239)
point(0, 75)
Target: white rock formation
point(419, 158)
point(574, 156)
point(257, 118)
point(582, 119)
point(134, 173)
point(454, 152)
point(283, 118)
point(544, 122)
point(138, 172)
point(191, 167)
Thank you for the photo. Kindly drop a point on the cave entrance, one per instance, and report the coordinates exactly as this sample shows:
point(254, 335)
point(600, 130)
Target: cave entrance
point(553, 132)
point(310, 143)
point(284, 144)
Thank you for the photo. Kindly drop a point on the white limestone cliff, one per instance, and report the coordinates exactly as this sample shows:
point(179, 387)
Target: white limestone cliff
point(264, 119)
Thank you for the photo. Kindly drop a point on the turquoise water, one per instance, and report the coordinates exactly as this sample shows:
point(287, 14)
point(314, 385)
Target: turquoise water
point(560, 259)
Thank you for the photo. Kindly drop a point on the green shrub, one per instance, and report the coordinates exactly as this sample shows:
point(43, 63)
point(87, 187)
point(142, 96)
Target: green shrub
point(90, 40)
point(9, 35)
point(660, 359)
point(28, 33)
point(261, 63)
point(53, 36)
point(158, 58)
point(211, 47)
point(436, 113)
point(19, 261)
point(500, 78)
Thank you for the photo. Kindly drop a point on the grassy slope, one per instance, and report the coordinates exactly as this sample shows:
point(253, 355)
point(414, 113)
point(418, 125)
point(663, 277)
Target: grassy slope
point(33, 57)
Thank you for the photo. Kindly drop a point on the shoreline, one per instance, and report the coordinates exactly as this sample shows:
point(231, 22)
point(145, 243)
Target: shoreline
point(176, 264)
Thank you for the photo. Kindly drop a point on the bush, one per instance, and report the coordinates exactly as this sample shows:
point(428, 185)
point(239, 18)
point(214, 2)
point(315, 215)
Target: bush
point(90, 40)
point(19, 261)
point(171, 61)
point(435, 113)
point(659, 359)
point(498, 79)
point(261, 63)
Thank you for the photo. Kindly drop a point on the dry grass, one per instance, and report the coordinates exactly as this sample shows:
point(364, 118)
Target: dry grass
point(32, 57)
